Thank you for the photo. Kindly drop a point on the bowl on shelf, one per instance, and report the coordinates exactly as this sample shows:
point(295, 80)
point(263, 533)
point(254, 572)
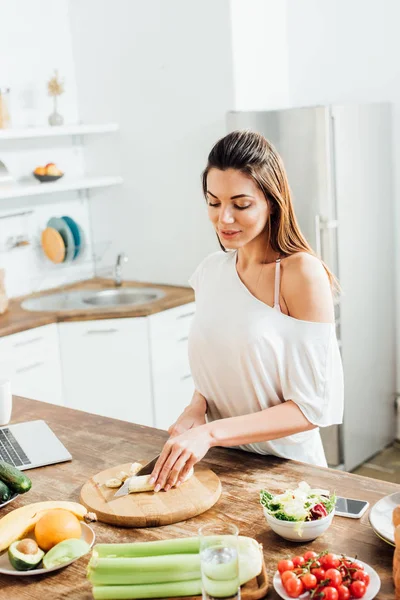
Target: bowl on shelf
point(296, 531)
point(46, 178)
point(49, 172)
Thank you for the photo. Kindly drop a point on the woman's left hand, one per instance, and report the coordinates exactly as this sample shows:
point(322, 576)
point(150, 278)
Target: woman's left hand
point(179, 455)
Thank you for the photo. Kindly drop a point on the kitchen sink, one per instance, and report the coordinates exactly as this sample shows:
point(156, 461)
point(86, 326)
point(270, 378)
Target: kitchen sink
point(93, 299)
point(123, 297)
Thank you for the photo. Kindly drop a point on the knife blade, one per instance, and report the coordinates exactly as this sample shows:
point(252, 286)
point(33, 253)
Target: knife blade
point(145, 470)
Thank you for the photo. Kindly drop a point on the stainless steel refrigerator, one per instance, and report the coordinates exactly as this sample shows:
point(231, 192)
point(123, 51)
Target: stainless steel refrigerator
point(339, 165)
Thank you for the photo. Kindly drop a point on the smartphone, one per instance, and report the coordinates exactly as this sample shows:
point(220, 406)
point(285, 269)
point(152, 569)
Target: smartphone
point(347, 507)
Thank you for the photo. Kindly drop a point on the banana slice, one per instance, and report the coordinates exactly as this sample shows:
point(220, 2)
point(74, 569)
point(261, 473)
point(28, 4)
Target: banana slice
point(113, 483)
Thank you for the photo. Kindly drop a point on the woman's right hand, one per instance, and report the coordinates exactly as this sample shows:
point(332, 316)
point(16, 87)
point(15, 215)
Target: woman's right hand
point(194, 415)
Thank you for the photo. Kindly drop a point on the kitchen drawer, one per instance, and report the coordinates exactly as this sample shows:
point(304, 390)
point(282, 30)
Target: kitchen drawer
point(31, 361)
point(172, 324)
point(171, 396)
point(169, 354)
point(34, 342)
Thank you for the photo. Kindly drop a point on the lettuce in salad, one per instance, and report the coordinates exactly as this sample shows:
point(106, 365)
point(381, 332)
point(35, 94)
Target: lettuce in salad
point(300, 504)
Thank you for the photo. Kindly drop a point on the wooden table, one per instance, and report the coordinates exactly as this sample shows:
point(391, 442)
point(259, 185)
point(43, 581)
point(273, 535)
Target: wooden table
point(97, 443)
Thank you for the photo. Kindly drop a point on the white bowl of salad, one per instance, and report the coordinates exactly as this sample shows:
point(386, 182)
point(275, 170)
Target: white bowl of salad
point(300, 514)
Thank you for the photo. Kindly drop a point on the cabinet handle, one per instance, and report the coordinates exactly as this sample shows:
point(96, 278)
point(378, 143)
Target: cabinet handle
point(26, 342)
point(186, 377)
point(185, 315)
point(183, 339)
point(30, 367)
point(95, 331)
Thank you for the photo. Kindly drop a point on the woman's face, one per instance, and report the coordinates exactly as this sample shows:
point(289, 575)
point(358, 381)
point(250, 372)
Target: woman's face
point(236, 207)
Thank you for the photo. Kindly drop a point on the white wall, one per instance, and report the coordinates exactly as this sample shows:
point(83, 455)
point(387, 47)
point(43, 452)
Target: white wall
point(34, 40)
point(163, 70)
point(260, 54)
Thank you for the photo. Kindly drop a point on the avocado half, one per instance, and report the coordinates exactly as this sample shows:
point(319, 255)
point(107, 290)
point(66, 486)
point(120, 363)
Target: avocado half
point(21, 561)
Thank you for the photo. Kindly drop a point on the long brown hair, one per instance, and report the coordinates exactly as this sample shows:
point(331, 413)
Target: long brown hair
point(253, 155)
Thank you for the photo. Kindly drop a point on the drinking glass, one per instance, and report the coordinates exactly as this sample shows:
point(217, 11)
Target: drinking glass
point(219, 560)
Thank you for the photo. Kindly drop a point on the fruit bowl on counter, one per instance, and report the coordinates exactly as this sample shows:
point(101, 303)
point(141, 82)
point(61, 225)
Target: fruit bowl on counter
point(43, 537)
point(49, 172)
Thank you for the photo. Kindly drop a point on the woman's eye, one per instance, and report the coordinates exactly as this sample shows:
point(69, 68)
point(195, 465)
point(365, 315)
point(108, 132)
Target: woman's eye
point(211, 204)
point(242, 207)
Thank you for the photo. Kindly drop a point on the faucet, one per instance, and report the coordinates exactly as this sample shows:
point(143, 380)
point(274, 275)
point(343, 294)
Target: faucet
point(121, 258)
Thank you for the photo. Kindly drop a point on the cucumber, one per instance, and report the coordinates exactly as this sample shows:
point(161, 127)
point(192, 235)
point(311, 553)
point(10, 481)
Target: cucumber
point(5, 492)
point(14, 479)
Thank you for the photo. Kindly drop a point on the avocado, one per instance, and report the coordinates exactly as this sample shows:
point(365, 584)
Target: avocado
point(14, 479)
point(65, 552)
point(23, 561)
point(5, 492)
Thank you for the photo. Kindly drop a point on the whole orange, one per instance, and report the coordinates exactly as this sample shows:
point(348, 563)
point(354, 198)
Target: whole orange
point(55, 526)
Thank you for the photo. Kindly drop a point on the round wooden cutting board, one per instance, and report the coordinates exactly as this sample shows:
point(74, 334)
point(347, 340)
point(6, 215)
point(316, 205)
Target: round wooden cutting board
point(147, 509)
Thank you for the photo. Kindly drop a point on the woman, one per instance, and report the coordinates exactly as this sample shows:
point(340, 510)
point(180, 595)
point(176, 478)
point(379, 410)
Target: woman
point(262, 347)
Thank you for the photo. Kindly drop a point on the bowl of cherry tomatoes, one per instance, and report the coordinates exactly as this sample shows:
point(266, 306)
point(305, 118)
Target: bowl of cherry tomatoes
point(327, 576)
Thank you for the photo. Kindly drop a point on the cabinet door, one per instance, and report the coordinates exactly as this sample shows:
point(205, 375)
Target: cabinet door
point(31, 360)
point(172, 382)
point(106, 368)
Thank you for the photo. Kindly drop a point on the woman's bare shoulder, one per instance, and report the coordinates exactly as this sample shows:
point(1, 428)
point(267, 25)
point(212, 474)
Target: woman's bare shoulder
point(306, 288)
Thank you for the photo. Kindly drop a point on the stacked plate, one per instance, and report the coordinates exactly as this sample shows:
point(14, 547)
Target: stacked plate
point(62, 240)
point(380, 517)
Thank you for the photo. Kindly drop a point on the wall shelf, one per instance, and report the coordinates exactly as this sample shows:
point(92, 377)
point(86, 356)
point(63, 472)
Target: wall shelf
point(31, 188)
point(63, 130)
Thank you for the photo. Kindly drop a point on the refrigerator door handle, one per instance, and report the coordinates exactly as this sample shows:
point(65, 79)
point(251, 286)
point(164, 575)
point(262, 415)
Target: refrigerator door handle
point(318, 241)
point(322, 224)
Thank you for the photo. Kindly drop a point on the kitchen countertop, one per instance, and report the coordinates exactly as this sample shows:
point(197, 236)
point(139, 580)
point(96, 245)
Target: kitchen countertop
point(17, 319)
point(97, 443)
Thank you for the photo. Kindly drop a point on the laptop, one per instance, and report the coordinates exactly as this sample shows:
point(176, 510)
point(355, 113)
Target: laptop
point(31, 444)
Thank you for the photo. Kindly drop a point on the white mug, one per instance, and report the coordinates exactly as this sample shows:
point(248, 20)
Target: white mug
point(5, 401)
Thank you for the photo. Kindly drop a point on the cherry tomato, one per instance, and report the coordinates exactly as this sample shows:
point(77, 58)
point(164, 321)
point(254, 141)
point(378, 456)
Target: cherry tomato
point(309, 555)
point(287, 575)
point(294, 587)
point(319, 573)
point(346, 581)
point(309, 581)
point(334, 576)
point(358, 589)
point(343, 592)
point(361, 576)
point(298, 561)
point(356, 565)
point(285, 565)
point(330, 593)
point(330, 561)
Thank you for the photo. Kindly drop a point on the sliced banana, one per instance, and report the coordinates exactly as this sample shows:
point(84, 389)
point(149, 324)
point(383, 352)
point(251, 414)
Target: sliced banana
point(135, 467)
point(122, 475)
point(113, 483)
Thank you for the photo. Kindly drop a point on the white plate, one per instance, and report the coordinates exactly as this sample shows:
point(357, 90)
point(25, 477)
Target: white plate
point(380, 516)
point(6, 567)
point(15, 495)
point(372, 589)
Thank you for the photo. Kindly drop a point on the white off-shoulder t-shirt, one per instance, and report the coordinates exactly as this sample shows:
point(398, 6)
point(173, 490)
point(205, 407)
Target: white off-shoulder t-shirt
point(246, 356)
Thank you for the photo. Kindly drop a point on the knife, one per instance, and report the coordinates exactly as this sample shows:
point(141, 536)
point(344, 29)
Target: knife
point(146, 470)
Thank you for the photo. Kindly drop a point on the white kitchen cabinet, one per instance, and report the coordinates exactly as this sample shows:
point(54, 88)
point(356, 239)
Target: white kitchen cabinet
point(172, 382)
point(31, 360)
point(106, 368)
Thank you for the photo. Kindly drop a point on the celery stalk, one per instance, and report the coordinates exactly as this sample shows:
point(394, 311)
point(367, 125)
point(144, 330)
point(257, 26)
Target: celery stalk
point(148, 564)
point(109, 577)
point(174, 546)
point(155, 590)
